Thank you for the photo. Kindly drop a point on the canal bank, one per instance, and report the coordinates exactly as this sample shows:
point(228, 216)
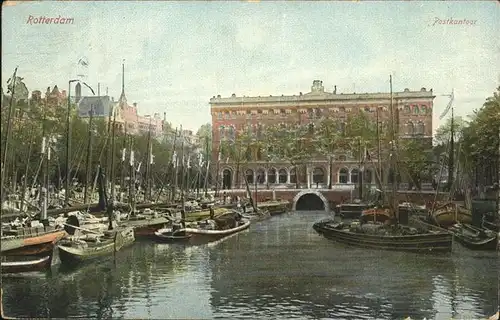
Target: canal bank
point(280, 268)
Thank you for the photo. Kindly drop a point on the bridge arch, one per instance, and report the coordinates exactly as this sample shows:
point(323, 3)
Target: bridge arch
point(310, 192)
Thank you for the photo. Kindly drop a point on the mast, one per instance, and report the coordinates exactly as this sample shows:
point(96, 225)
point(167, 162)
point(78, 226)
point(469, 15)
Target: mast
point(124, 153)
point(361, 169)
point(379, 158)
point(217, 172)
point(394, 201)
point(131, 189)
point(147, 194)
point(168, 168)
point(7, 138)
point(111, 203)
point(451, 163)
point(176, 168)
point(183, 212)
point(89, 156)
point(208, 165)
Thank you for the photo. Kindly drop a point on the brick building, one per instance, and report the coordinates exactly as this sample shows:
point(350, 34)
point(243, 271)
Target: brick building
point(233, 114)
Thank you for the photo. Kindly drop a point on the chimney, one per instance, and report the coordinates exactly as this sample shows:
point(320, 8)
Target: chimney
point(334, 89)
point(164, 116)
point(135, 104)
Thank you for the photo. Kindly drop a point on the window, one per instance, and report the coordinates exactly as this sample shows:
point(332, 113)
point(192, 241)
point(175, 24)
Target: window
point(423, 109)
point(311, 127)
point(222, 133)
point(282, 176)
point(410, 128)
point(219, 115)
point(407, 109)
point(271, 175)
point(368, 176)
point(343, 175)
point(231, 133)
point(318, 175)
point(227, 115)
point(354, 175)
point(249, 175)
point(261, 176)
point(420, 129)
point(293, 176)
point(415, 109)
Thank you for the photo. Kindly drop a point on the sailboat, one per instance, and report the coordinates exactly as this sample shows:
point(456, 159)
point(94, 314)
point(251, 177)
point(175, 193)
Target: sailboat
point(399, 233)
point(448, 213)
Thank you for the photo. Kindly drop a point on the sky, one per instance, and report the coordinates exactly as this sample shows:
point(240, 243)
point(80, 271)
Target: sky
point(179, 54)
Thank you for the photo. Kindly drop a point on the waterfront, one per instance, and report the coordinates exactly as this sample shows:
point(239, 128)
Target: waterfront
point(279, 268)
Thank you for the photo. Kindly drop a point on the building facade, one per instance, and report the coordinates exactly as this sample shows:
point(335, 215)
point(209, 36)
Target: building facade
point(233, 114)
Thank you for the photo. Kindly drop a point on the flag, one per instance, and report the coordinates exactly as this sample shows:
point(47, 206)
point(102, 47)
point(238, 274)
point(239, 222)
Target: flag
point(151, 156)
point(174, 159)
point(83, 62)
point(448, 107)
point(131, 157)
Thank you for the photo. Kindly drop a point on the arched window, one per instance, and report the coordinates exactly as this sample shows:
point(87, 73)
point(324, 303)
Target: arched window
point(293, 176)
point(354, 175)
point(423, 109)
point(343, 175)
point(318, 175)
point(231, 133)
point(282, 176)
point(407, 109)
point(271, 175)
point(249, 175)
point(420, 128)
point(415, 109)
point(261, 176)
point(368, 176)
point(410, 128)
point(222, 132)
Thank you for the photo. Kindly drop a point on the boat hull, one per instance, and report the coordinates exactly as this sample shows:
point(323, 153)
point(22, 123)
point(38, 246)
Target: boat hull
point(484, 242)
point(168, 236)
point(146, 228)
point(26, 266)
point(36, 245)
point(422, 243)
point(200, 236)
point(450, 214)
point(76, 255)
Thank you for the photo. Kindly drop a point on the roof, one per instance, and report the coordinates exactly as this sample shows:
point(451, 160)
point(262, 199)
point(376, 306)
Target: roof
point(101, 106)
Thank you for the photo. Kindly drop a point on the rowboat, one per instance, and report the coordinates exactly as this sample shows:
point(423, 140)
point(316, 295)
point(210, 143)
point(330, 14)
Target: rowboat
point(30, 241)
point(86, 248)
point(417, 238)
point(207, 233)
point(448, 214)
point(26, 265)
point(261, 215)
point(170, 235)
point(475, 238)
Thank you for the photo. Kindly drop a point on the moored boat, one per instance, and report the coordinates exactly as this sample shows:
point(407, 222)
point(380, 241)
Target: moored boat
point(375, 215)
point(475, 238)
point(208, 232)
point(448, 214)
point(412, 238)
point(89, 247)
point(173, 234)
point(30, 241)
point(18, 266)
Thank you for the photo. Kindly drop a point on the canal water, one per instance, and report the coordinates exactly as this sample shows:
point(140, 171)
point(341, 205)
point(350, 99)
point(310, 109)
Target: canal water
point(278, 269)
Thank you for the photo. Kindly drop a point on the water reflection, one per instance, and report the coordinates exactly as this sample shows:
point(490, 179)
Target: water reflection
point(280, 268)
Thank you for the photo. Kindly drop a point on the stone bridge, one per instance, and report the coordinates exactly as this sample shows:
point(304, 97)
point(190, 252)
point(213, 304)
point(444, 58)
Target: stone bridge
point(326, 199)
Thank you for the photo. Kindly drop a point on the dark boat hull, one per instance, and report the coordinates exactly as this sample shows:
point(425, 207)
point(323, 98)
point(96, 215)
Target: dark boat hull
point(26, 266)
point(146, 228)
point(423, 243)
point(34, 245)
point(168, 236)
point(75, 255)
point(485, 243)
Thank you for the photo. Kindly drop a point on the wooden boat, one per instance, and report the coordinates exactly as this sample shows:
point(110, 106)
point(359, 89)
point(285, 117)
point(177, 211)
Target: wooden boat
point(351, 210)
point(145, 226)
point(475, 238)
point(173, 234)
point(260, 215)
point(375, 215)
point(417, 238)
point(26, 265)
point(448, 214)
point(207, 232)
point(30, 241)
point(274, 207)
point(81, 249)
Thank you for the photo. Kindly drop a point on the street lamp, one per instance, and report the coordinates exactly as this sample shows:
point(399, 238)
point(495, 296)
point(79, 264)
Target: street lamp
point(68, 137)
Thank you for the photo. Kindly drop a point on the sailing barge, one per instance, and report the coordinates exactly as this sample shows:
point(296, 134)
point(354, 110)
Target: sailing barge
point(412, 238)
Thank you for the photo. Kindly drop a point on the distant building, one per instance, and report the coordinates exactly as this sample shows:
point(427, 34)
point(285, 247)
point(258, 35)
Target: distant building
point(127, 117)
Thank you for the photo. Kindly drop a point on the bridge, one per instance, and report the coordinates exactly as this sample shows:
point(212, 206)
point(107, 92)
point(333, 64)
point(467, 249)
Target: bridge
point(326, 199)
